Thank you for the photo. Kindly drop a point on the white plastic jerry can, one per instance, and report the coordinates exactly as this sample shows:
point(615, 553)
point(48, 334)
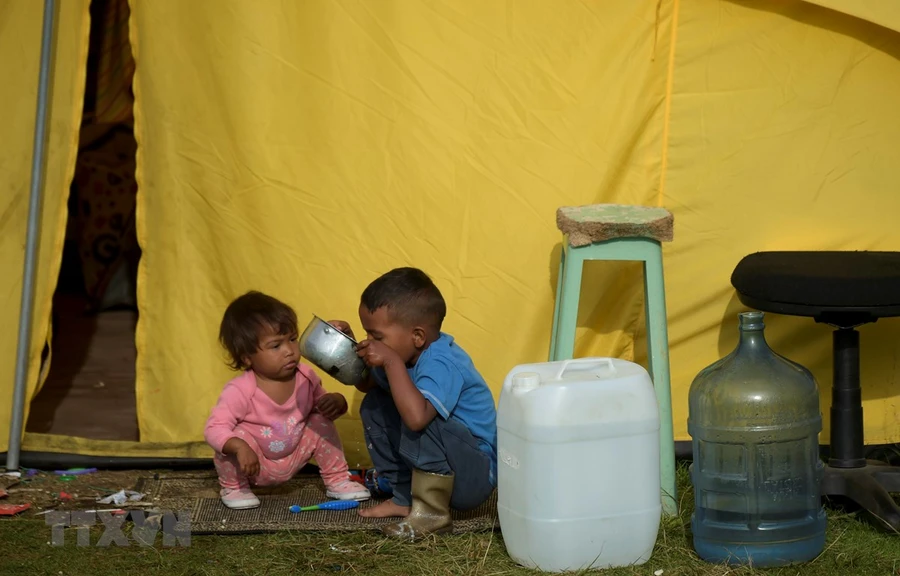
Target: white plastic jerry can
point(578, 456)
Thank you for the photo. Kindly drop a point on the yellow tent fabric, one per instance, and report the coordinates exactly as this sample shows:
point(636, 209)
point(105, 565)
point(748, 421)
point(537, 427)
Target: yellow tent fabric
point(20, 53)
point(876, 11)
point(781, 136)
point(304, 148)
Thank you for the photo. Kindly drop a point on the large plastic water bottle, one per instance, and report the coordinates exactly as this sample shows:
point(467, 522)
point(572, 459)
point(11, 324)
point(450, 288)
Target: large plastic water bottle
point(754, 419)
point(578, 447)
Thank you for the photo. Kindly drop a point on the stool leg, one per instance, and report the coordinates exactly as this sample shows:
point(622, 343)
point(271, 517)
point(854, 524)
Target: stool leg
point(568, 306)
point(554, 334)
point(658, 353)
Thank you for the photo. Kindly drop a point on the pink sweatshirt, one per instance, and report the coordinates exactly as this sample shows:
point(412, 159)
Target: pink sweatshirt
point(276, 428)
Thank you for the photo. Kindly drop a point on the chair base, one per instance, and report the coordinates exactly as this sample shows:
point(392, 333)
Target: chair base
point(868, 486)
point(848, 473)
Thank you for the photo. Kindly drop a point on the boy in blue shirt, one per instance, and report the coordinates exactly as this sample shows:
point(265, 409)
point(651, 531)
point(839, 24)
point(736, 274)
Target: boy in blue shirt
point(429, 418)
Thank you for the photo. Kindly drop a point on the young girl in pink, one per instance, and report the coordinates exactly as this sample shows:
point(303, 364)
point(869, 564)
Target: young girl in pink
point(275, 416)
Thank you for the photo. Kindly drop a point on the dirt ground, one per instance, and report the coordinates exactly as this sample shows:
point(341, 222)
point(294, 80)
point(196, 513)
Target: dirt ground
point(46, 490)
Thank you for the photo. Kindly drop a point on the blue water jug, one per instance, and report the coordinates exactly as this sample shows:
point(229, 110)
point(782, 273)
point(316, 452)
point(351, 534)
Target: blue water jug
point(754, 420)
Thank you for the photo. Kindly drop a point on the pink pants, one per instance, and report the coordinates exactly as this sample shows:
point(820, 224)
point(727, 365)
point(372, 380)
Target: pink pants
point(319, 439)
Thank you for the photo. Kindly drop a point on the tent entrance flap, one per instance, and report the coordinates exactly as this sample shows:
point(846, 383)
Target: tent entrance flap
point(89, 390)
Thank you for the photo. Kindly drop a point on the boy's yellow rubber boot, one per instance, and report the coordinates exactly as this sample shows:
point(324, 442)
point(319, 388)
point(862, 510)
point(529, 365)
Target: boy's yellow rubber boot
point(430, 511)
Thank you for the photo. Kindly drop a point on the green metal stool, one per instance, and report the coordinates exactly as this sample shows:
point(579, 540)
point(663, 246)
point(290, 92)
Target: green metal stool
point(617, 232)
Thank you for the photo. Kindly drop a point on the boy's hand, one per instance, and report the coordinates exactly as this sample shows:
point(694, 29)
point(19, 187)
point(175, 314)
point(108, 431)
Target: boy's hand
point(343, 327)
point(248, 460)
point(375, 353)
point(332, 406)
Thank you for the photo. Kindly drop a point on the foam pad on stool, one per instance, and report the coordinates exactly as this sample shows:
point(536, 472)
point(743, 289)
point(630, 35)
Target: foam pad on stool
point(599, 222)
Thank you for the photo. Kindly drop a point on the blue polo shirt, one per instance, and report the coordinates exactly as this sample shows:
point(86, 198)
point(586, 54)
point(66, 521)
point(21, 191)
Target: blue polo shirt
point(446, 377)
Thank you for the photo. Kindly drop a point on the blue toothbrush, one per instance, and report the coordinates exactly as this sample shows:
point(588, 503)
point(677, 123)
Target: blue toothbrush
point(330, 505)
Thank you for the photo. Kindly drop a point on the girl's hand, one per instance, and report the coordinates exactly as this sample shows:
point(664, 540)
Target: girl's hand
point(343, 327)
point(248, 461)
point(332, 406)
point(375, 353)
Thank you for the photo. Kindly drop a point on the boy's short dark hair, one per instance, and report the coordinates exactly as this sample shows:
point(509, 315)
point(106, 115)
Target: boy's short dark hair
point(245, 317)
point(410, 296)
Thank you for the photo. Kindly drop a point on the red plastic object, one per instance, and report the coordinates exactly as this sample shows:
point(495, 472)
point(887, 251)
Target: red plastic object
point(13, 509)
point(358, 475)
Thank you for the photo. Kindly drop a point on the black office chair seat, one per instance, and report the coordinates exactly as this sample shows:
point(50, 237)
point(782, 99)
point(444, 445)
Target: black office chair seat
point(844, 290)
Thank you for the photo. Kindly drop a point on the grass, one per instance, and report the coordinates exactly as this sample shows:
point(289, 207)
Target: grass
point(853, 549)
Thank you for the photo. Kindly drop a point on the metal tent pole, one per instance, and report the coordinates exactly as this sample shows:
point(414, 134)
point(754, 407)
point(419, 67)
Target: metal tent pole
point(26, 311)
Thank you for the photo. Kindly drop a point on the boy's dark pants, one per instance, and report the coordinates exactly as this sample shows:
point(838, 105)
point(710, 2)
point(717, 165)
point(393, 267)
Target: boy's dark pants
point(443, 447)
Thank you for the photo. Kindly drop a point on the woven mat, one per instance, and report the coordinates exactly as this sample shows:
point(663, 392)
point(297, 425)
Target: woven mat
point(199, 494)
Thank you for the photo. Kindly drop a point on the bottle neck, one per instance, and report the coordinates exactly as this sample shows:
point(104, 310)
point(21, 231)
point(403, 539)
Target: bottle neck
point(752, 332)
point(753, 339)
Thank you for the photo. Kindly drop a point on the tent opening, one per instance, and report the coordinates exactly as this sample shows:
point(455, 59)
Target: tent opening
point(89, 391)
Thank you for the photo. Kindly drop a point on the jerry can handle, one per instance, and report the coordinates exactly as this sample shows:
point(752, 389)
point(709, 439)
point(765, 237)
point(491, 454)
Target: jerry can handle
point(585, 361)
